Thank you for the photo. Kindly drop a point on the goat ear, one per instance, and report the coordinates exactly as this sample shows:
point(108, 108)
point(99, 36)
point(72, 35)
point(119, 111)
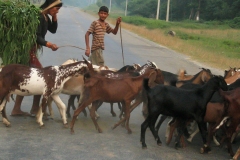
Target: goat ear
point(90, 67)
point(152, 77)
point(84, 59)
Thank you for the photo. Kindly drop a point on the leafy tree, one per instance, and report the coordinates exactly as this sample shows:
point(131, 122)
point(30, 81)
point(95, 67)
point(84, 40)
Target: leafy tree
point(217, 10)
point(143, 8)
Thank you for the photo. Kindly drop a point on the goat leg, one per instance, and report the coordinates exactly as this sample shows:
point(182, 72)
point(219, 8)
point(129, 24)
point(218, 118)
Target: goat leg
point(92, 114)
point(193, 133)
point(144, 109)
point(80, 108)
point(112, 111)
point(49, 104)
point(180, 130)
point(39, 116)
point(127, 111)
point(237, 154)
point(203, 130)
point(172, 125)
point(124, 120)
point(153, 130)
point(144, 127)
point(229, 145)
point(119, 106)
point(62, 109)
point(70, 103)
point(4, 115)
point(162, 119)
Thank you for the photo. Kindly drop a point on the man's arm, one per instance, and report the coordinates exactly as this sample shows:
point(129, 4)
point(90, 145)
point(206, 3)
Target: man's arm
point(87, 51)
point(115, 30)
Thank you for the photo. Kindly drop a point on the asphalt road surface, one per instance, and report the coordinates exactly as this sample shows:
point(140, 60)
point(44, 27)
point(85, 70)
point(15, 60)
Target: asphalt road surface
point(24, 140)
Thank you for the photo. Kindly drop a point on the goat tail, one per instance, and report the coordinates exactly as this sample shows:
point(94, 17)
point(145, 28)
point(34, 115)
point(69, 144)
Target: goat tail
point(145, 84)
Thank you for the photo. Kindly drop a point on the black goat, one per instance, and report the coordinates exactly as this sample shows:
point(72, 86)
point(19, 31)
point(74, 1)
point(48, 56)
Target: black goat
point(170, 79)
point(180, 103)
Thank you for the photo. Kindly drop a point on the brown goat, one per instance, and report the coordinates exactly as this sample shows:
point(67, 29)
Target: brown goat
point(183, 76)
point(200, 78)
point(233, 112)
point(230, 72)
point(233, 78)
point(112, 89)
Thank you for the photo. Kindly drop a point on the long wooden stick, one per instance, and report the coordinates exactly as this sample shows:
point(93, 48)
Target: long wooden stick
point(71, 46)
point(122, 44)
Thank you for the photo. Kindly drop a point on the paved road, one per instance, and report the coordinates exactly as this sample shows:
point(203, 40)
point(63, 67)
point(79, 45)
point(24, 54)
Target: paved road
point(25, 140)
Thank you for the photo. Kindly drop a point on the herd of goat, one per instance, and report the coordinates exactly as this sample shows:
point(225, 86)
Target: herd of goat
point(209, 101)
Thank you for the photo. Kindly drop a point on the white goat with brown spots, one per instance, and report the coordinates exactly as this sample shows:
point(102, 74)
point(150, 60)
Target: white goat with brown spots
point(25, 81)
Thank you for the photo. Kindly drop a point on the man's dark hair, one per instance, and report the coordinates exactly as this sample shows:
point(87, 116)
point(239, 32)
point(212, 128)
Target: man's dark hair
point(103, 8)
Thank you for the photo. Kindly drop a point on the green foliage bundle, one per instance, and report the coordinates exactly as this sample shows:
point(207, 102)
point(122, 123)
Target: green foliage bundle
point(18, 26)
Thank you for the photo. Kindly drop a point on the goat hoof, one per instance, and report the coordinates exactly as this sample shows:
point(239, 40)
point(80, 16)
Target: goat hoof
point(159, 143)
point(41, 126)
point(65, 125)
point(46, 118)
point(72, 131)
point(230, 153)
point(144, 146)
point(205, 149)
point(113, 127)
point(177, 145)
point(8, 125)
point(99, 131)
point(129, 131)
point(189, 140)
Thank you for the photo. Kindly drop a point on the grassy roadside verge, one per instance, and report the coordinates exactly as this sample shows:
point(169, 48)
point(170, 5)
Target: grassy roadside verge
point(213, 44)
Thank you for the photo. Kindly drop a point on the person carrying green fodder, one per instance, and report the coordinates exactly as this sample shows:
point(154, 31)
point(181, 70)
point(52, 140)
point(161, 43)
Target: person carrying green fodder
point(24, 28)
point(18, 25)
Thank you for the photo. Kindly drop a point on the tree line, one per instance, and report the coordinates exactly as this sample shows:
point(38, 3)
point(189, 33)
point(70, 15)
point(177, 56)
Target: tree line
point(207, 10)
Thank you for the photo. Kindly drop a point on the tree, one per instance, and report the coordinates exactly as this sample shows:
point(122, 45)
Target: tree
point(185, 9)
point(143, 8)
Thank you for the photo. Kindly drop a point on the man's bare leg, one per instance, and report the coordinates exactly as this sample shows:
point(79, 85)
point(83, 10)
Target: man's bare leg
point(35, 106)
point(17, 107)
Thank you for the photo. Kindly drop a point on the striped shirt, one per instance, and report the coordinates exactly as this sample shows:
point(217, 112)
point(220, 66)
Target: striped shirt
point(98, 31)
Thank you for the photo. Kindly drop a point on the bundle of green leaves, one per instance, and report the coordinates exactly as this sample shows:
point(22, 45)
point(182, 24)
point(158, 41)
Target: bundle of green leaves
point(18, 26)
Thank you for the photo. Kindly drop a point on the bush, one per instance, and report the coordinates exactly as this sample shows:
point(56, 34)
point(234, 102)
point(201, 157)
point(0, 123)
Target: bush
point(235, 23)
point(186, 36)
